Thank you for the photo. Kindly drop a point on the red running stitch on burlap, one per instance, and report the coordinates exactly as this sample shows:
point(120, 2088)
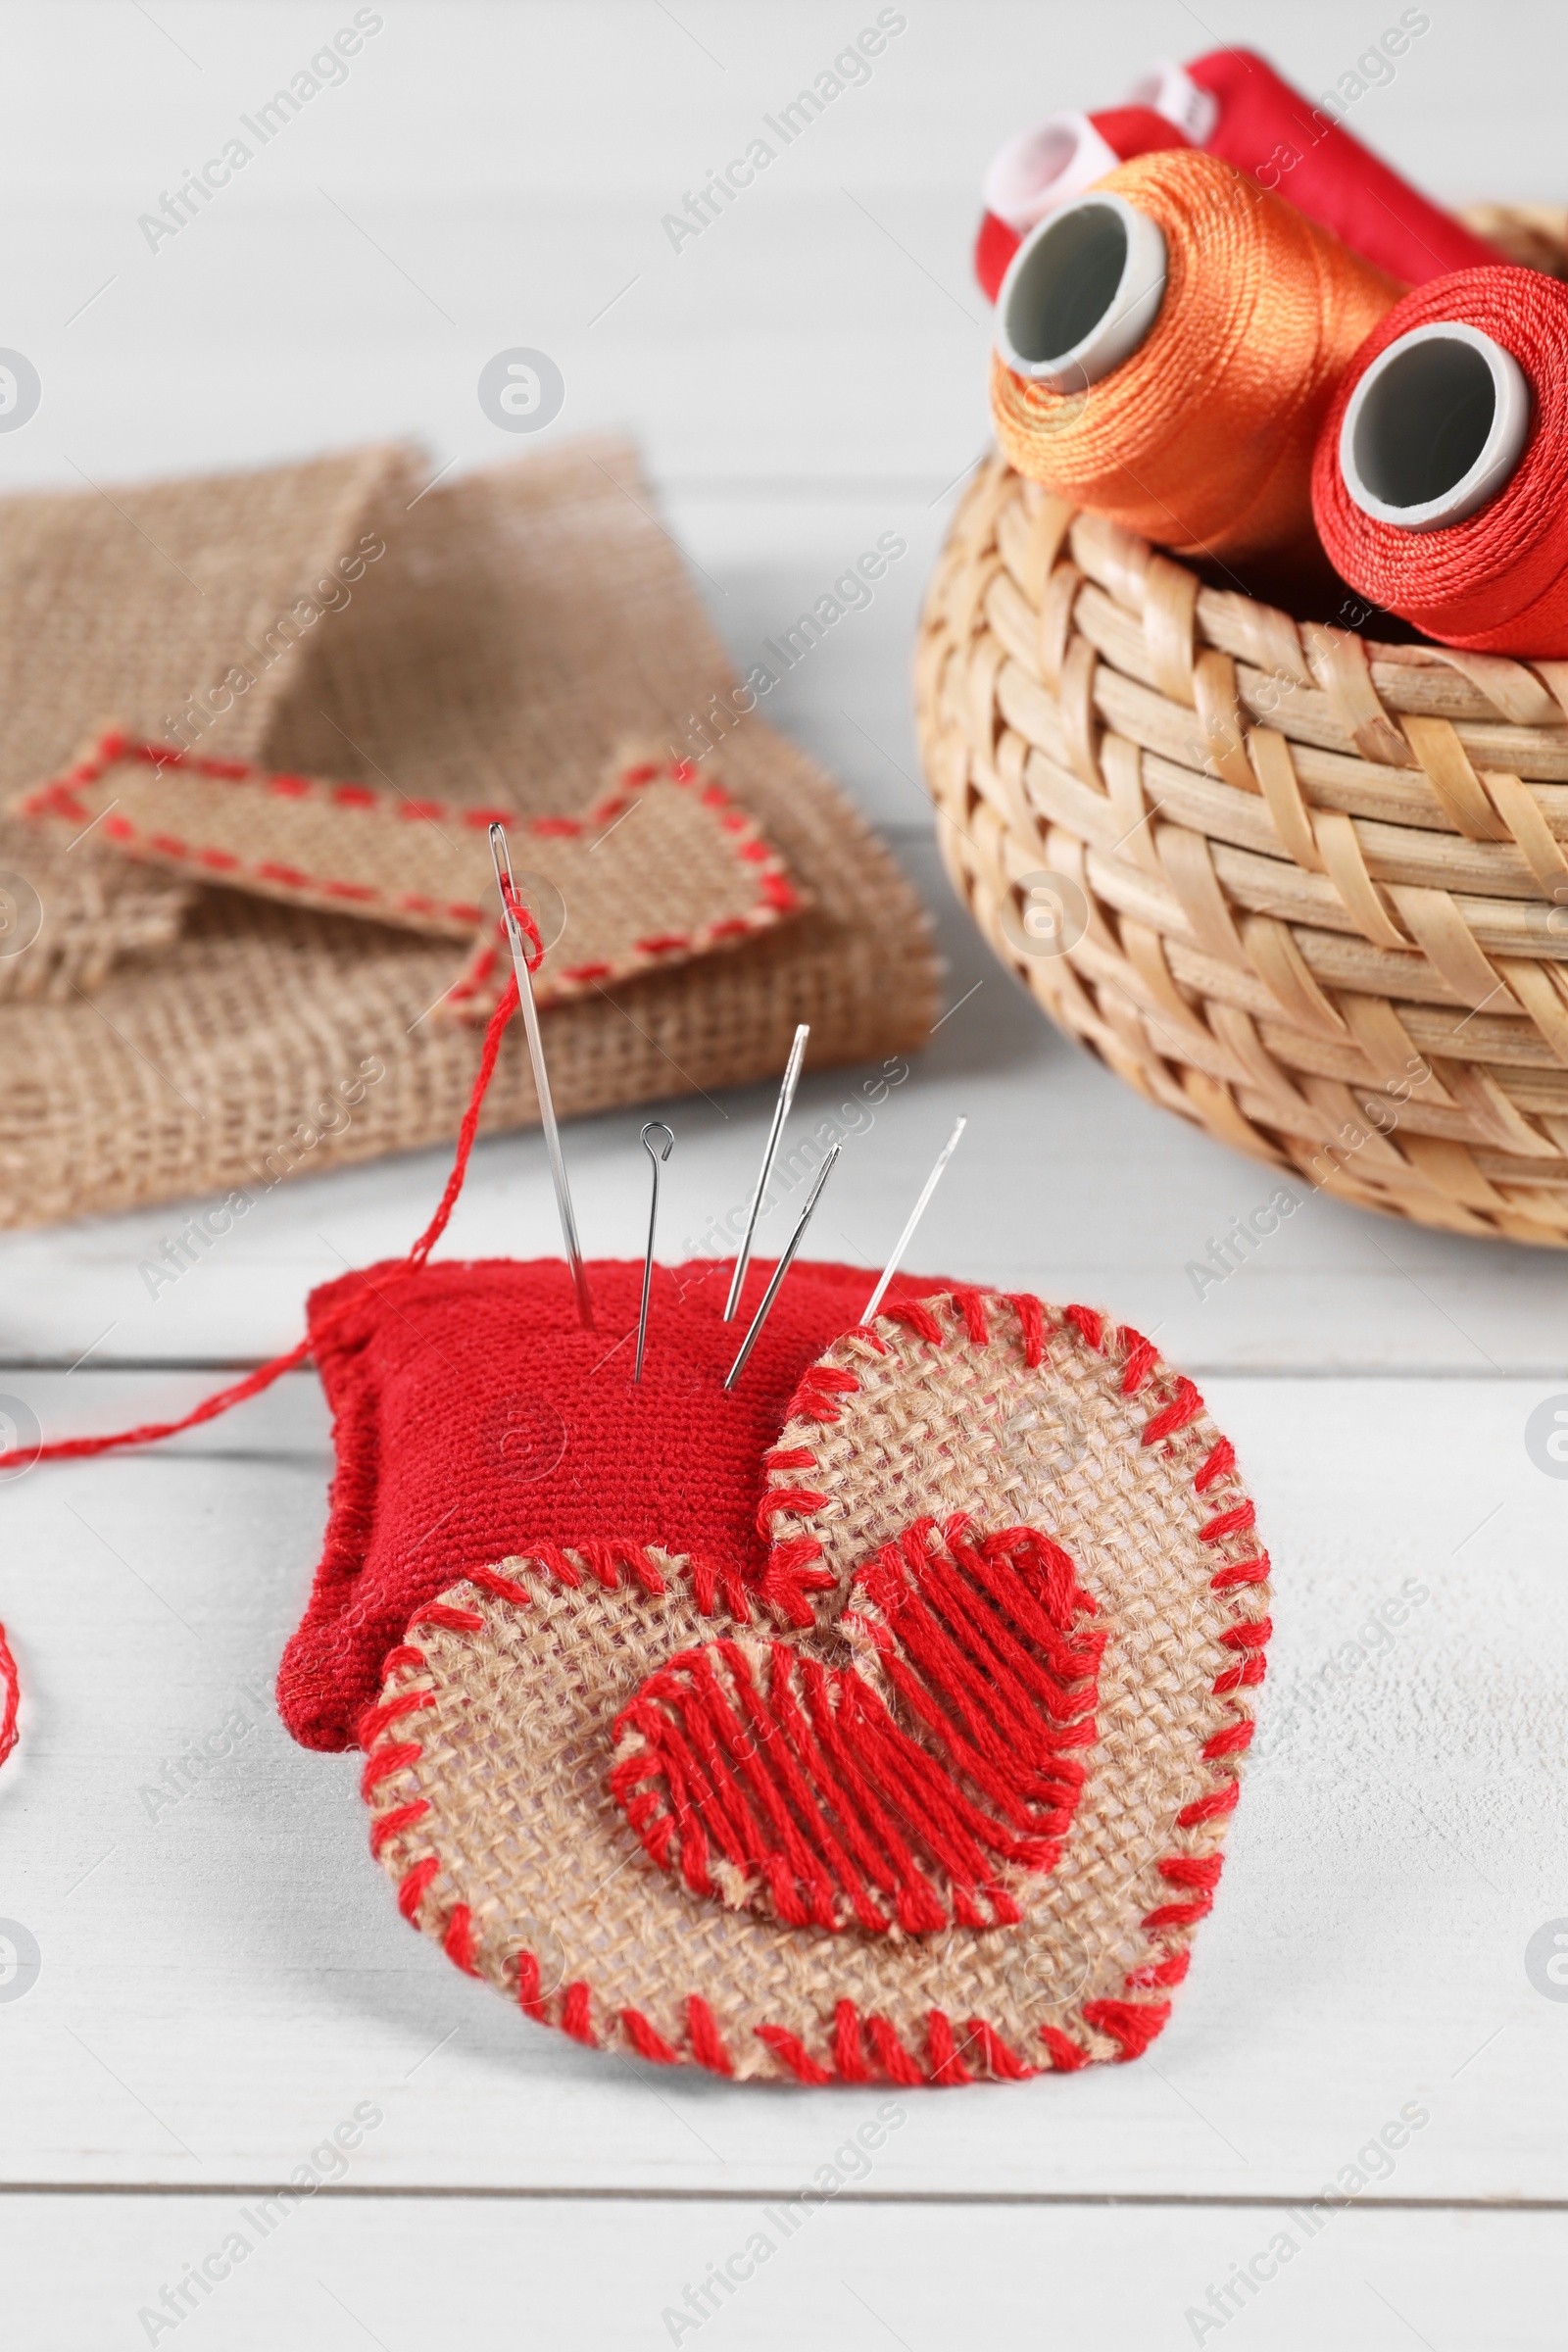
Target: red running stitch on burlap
point(11, 1684)
point(60, 797)
point(1131, 2025)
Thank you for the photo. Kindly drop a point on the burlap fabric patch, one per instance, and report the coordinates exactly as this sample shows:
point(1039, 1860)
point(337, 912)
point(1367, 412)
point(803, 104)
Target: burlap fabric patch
point(136, 600)
point(513, 630)
point(939, 1795)
point(590, 881)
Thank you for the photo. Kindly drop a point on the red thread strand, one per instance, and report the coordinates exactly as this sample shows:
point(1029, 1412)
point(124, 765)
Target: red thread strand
point(1269, 130)
point(795, 2055)
point(849, 2050)
point(411, 1893)
point(646, 2040)
point(708, 2043)
point(11, 1684)
point(895, 2060)
point(576, 2015)
point(458, 1943)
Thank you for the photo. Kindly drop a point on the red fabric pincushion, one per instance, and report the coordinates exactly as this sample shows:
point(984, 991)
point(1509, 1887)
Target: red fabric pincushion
point(474, 1419)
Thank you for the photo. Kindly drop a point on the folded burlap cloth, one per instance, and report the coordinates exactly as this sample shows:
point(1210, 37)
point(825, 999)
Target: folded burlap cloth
point(222, 913)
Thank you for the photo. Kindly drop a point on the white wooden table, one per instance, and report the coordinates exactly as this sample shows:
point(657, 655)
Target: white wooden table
point(222, 1979)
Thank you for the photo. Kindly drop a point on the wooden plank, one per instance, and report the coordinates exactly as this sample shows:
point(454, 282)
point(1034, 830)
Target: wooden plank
point(224, 1976)
point(338, 2271)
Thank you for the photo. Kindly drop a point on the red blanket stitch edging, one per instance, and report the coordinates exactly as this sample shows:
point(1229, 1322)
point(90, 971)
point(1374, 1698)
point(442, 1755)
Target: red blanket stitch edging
point(775, 895)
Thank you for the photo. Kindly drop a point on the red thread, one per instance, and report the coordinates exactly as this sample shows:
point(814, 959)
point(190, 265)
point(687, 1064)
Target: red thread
point(1242, 1572)
point(828, 1805)
point(387, 1826)
point(794, 1499)
point(795, 2054)
point(1088, 1324)
point(1065, 2056)
point(1005, 2064)
point(971, 1305)
point(1217, 1465)
point(646, 2041)
point(708, 2043)
point(529, 1997)
point(920, 1319)
point(1031, 1327)
point(1270, 131)
point(454, 1621)
point(576, 2015)
point(1228, 1523)
point(458, 1943)
point(1497, 581)
point(814, 1398)
point(849, 2050)
point(11, 1683)
point(411, 1893)
point(376, 1720)
point(505, 1587)
point(1132, 2024)
point(1218, 1801)
point(946, 2064)
point(896, 2061)
point(151, 1432)
point(1184, 1407)
point(382, 1762)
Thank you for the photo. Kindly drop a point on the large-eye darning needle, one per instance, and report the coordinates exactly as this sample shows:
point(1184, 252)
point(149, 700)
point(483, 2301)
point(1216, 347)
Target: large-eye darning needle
point(786, 1096)
point(500, 857)
point(782, 1268)
point(915, 1214)
point(659, 1157)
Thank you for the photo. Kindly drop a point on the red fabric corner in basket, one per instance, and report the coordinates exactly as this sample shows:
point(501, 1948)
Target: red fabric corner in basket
point(472, 1417)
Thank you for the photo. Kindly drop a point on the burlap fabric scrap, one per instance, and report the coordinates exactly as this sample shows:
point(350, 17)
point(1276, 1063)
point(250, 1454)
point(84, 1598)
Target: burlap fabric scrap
point(493, 642)
point(933, 1791)
point(590, 882)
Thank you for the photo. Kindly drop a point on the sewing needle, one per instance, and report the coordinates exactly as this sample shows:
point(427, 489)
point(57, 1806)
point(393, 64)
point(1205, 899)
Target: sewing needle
point(500, 857)
point(657, 1157)
point(915, 1214)
point(786, 1096)
point(782, 1268)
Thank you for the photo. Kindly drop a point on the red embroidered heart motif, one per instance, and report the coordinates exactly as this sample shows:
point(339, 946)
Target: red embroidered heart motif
point(779, 1784)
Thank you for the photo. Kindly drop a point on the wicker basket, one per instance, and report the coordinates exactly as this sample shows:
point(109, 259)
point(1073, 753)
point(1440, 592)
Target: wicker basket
point(1308, 889)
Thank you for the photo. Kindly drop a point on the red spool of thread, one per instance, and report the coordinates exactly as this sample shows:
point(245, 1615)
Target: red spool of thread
point(1439, 483)
point(1049, 164)
point(1234, 104)
point(1281, 139)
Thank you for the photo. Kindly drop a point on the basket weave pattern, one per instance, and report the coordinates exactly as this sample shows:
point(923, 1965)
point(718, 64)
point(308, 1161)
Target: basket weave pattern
point(1326, 886)
point(1325, 882)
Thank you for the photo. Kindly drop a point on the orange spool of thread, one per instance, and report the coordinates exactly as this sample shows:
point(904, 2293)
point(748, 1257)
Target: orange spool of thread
point(1167, 347)
point(1441, 486)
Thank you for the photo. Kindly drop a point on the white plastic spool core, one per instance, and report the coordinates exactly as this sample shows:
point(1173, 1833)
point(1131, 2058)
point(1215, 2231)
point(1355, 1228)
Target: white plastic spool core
point(1081, 293)
point(1171, 91)
point(1435, 427)
point(1044, 167)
